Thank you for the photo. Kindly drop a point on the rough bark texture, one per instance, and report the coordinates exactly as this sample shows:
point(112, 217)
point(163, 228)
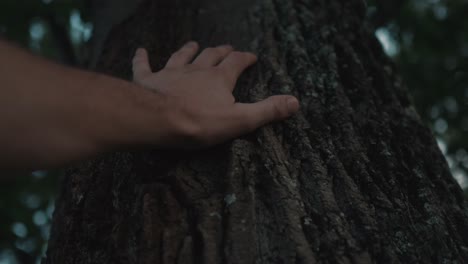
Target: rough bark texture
point(354, 178)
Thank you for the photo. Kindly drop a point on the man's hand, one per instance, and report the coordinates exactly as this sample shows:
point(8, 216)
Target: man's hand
point(199, 95)
point(59, 114)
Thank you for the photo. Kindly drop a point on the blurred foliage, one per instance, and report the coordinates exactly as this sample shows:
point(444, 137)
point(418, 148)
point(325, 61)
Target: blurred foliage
point(59, 30)
point(26, 207)
point(44, 25)
point(428, 39)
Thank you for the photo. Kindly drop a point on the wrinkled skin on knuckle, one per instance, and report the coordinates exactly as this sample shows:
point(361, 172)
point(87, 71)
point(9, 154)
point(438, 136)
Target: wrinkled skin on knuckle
point(245, 123)
point(280, 111)
point(223, 75)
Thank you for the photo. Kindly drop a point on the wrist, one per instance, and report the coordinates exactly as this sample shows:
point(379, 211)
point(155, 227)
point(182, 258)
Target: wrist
point(174, 124)
point(140, 118)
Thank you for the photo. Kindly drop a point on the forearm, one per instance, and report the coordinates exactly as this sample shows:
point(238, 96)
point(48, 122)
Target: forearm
point(52, 114)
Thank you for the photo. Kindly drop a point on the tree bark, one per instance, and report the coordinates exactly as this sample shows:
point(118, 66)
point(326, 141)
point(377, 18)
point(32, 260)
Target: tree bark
point(354, 178)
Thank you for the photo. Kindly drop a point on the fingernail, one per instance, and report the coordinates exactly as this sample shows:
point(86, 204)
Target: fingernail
point(254, 57)
point(293, 105)
point(139, 51)
point(227, 46)
point(191, 44)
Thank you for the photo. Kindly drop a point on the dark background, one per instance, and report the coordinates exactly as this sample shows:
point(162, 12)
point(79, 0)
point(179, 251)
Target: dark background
point(427, 39)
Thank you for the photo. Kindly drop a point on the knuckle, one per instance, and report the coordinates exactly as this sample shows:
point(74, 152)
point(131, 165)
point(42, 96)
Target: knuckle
point(215, 51)
point(223, 74)
point(249, 124)
point(220, 71)
point(280, 110)
point(246, 122)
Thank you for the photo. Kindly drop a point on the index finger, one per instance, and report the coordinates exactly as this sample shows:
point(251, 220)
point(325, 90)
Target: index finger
point(140, 64)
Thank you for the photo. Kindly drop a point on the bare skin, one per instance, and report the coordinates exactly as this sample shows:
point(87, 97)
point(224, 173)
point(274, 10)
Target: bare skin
point(51, 115)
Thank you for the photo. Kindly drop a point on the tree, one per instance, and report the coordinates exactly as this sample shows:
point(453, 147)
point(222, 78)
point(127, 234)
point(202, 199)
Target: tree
point(354, 178)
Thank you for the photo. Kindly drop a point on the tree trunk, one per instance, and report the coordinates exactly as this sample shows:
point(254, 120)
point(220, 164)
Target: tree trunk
point(354, 178)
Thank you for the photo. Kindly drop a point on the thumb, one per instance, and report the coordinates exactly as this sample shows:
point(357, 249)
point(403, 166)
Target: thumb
point(274, 108)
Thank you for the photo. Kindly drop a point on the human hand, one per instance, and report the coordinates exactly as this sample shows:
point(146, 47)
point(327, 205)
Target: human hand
point(199, 95)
